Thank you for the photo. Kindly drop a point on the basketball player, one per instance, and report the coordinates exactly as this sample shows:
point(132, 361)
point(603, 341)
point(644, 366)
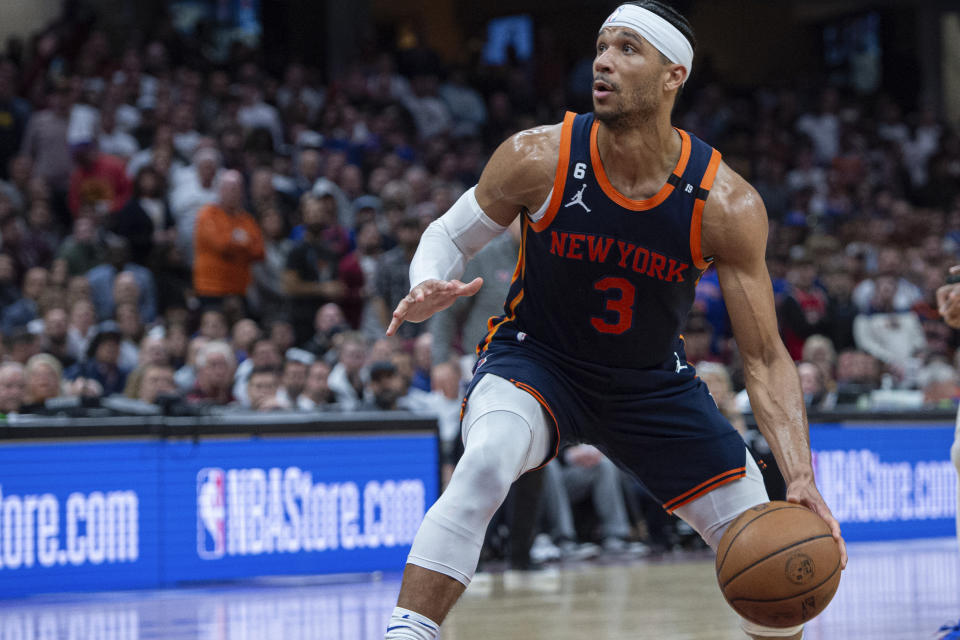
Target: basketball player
point(948, 301)
point(621, 214)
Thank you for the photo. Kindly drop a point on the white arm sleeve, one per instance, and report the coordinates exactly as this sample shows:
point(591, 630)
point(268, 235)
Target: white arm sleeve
point(451, 240)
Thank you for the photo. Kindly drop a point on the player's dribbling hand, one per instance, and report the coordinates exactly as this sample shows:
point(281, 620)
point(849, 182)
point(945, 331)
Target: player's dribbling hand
point(427, 298)
point(807, 494)
point(948, 301)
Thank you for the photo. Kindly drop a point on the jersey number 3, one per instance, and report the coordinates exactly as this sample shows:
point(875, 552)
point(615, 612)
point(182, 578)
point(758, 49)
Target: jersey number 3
point(619, 295)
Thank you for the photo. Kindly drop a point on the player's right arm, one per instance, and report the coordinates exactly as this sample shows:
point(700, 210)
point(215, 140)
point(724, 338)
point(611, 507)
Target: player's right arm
point(518, 177)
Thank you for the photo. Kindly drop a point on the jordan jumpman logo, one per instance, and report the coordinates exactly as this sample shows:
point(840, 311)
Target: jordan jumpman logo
point(680, 367)
point(578, 199)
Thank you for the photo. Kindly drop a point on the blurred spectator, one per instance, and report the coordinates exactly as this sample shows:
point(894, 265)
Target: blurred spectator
point(895, 338)
point(254, 113)
point(819, 351)
point(384, 388)
point(328, 322)
point(215, 365)
point(153, 350)
point(9, 288)
point(14, 115)
point(113, 140)
point(198, 187)
point(186, 375)
point(228, 242)
point(245, 332)
point(97, 179)
point(82, 327)
point(21, 345)
point(280, 332)
point(131, 330)
point(393, 278)
point(136, 283)
point(698, 339)
point(54, 339)
point(27, 248)
point(293, 379)
point(348, 378)
point(102, 361)
point(26, 308)
point(803, 308)
point(814, 387)
point(938, 381)
point(718, 382)
point(45, 140)
point(837, 321)
point(264, 354)
point(262, 390)
point(310, 277)
point(316, 392)
point(889, 266)
point(268, 292)
point(154, 380)
point(582, 472)
point(464, 323)
point(43, 377)
point(422, 361)
point(82, 250)
point(12, 386)
point(444, 401)
point(145, 221)
point(213, 325)
point(857, 374)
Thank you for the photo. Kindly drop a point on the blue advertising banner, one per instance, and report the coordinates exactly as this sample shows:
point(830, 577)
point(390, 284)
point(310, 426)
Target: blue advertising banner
point(121, 514)
point(887, 482)
point(294, 505)
point(78, 516)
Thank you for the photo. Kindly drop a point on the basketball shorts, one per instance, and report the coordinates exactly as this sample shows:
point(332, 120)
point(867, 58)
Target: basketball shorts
point(659, 424)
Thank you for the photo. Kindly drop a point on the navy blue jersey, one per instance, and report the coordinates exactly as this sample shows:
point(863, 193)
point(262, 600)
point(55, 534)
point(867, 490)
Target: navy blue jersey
point(603, 278)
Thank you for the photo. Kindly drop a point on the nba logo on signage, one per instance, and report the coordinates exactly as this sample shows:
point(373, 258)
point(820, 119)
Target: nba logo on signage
point(211, 514)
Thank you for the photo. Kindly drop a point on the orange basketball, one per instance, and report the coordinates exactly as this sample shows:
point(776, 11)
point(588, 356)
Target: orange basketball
point(778, 565)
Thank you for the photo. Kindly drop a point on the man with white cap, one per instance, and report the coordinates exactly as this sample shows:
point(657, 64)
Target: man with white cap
point(621, 214)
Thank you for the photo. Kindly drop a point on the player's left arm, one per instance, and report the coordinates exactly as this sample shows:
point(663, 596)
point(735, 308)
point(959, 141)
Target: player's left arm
point(734, 233)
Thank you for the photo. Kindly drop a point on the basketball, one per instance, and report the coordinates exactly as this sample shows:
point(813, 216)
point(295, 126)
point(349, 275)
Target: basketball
point(778, 565)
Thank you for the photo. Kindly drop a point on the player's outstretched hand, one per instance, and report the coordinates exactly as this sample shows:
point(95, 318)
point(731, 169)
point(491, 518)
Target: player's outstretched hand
point(427, 298)
point(807, 494)
point(948, 300)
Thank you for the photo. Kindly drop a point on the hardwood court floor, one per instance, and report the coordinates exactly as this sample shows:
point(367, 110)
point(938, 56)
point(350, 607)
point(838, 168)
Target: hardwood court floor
point(890, 591)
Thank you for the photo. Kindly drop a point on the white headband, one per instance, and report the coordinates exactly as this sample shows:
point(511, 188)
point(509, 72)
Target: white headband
point(664, 37)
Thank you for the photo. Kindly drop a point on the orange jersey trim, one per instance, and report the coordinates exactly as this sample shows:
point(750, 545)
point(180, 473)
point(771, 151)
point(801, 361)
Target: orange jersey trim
point(705, 487)
point(560, 177)
point(539, 398)
point(622, 200)
point(495, 327)
point(696, 222)
point(518, 272)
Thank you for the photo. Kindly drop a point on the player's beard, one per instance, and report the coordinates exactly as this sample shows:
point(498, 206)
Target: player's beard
point(639, 106)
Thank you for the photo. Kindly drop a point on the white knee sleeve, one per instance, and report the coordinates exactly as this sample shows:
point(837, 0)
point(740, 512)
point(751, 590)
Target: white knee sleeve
point(504, 435)
point(712, 513)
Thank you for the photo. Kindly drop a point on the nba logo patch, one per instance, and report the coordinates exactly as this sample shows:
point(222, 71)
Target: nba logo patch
point(521, 336)
point(211, 514)
point(480, 362)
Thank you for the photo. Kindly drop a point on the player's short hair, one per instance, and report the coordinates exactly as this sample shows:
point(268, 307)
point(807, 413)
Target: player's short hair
point(672, 16)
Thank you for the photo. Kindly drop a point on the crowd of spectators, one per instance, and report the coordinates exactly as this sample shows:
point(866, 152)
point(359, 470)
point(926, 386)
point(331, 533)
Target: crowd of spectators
point(212, 236)
point(163, 214)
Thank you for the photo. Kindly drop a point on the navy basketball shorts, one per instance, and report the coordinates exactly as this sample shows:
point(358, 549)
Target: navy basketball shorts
point(659, 424)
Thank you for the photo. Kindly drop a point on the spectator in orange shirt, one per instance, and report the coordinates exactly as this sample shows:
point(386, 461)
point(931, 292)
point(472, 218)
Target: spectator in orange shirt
point(228, 241)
